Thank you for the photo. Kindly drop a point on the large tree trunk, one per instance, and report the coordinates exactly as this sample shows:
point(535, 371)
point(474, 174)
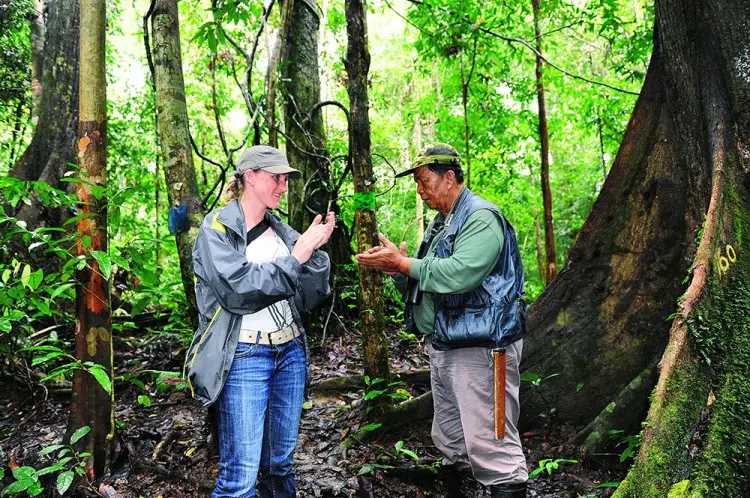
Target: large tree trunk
point(376, 358)
point(272, 76)
point(697, 423)
point(602, 322)
point(53, 144)
point(92, 405)
point(549, 230)
point(306, 147)
point(174, 136)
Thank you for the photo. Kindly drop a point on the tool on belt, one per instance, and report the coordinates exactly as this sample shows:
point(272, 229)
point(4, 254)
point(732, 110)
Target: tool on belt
point(498, 357)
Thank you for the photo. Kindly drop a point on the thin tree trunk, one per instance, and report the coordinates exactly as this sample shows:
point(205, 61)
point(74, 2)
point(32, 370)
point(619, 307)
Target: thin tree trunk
point(177, 156)
point(465, 82)
point(92, 405)
point(272, 79)
point(420, 204)
point(541, 267)
point(37, 58)
point(376, 358)
point(601, 144)
point(549, 230)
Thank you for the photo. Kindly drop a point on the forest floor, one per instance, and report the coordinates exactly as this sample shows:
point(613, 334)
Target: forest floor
point(163, 450)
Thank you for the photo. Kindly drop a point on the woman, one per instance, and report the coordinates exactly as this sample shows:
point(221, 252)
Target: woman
point(254, 276)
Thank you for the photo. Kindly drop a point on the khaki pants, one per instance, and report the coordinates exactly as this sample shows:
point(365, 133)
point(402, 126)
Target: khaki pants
point(463, 427)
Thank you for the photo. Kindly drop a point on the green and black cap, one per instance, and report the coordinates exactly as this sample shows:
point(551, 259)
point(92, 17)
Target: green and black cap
point(437, 154)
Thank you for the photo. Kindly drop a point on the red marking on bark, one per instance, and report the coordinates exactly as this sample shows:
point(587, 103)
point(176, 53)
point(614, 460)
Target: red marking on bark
point(83, 143)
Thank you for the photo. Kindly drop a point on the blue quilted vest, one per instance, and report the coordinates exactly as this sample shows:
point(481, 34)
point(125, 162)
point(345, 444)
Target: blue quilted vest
point(493, 314)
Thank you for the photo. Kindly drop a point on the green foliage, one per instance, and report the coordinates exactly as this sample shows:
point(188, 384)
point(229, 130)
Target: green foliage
point(549, 465)
point(385, 458)
point(379, 395)
point(15, 74)
point(66, 462)
point(631, 442)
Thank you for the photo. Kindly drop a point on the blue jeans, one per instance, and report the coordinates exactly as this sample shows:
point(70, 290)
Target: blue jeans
point(259, 415)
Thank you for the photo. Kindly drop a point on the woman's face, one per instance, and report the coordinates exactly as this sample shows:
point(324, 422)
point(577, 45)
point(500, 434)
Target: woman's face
point(267, 187)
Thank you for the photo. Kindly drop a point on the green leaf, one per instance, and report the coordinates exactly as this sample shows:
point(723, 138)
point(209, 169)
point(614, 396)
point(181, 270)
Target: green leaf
point(42, 359)
point(410, 453)
point(25, 472)
point(6, 275)
point(102, 377)
point(98, 191)
point(64, 480)
point(49, 449)
point(372, 427)
point(78, 217)
point(17, 487)
point(105, 264)
point(35, 489)
point(120, 261)
point(610, 484)
point(369, 467)
point(25, 275)
point(373, 394)
point(144, 400)
point(60, 289)
point(169, 380)
point(77, 435)
point(36, 278)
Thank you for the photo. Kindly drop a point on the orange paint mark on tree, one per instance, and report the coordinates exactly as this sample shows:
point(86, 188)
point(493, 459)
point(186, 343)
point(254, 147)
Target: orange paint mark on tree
point(83, 143)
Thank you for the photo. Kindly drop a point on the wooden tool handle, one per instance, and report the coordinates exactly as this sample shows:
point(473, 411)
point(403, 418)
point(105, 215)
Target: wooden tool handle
point(499, 361)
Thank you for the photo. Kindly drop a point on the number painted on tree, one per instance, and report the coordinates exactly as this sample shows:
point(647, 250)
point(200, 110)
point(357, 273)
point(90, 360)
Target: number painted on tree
point(725, 260)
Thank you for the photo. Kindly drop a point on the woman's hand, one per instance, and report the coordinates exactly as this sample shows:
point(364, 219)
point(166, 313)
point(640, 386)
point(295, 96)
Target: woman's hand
point(315, 236)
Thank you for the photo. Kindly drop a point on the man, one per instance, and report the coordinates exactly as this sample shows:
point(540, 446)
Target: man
point(464, 289)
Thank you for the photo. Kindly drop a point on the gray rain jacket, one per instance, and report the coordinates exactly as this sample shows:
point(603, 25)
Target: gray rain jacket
point(228, 286)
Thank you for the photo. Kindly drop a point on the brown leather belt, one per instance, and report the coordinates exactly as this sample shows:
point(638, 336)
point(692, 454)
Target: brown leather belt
point(269, 338)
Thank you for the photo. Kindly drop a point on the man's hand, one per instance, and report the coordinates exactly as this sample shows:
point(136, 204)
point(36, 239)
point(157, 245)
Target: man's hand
point(387, 258)
point(315, 236)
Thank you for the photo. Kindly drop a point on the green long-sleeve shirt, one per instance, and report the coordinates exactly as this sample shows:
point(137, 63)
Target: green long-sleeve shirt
point(475, 253)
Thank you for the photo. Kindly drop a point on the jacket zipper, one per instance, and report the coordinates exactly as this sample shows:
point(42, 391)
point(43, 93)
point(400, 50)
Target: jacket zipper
point(195, 353)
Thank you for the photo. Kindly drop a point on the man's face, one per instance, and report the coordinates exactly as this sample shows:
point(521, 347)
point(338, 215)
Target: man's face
point(431, 187)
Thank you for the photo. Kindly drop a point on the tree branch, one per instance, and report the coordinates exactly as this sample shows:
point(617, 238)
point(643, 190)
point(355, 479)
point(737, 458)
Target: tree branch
point(526, 44)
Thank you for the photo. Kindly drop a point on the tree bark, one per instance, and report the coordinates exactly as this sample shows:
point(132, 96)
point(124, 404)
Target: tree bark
point(376, 358)
point(91, 405)
point(174, 136)
point(272, 79)
point(465, 82)
point(696, 436)
point(420, 205)
point(601, 322)
point(306, 144)
point(52, 147)
point(37, 58)
point(549, 230)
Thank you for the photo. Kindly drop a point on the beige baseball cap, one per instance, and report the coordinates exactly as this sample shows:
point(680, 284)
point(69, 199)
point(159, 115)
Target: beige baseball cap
point(268, 159)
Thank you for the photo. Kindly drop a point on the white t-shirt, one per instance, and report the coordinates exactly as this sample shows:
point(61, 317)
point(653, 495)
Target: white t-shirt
point(264, 249)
